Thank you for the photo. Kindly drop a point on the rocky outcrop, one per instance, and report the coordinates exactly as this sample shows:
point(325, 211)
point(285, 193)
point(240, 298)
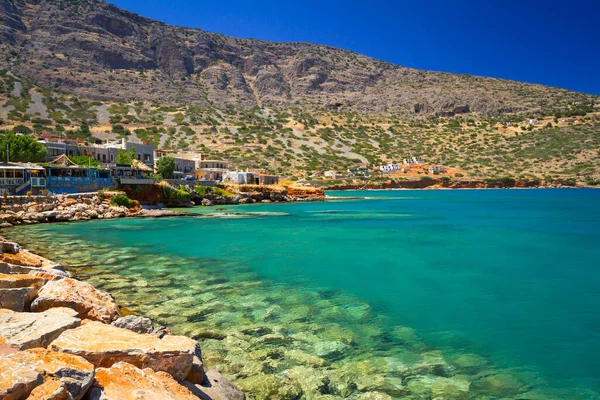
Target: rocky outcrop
point(89, 302)
point(29, 330)
point(104, 345)
point(124, 381)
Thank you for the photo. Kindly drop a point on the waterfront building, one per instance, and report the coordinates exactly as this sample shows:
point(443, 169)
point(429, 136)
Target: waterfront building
point(19, 178)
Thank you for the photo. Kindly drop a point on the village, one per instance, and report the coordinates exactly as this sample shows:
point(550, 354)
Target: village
point(74, 166)
point(59, 174)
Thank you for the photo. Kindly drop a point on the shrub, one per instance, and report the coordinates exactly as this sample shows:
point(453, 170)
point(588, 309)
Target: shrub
point(172, 194)
point(121, 200)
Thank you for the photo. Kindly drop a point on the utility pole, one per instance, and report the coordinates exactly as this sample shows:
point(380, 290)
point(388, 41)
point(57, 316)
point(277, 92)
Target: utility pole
point(7, 155)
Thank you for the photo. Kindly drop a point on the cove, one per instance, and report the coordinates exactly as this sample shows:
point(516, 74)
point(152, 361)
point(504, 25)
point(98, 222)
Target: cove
point(495, 288)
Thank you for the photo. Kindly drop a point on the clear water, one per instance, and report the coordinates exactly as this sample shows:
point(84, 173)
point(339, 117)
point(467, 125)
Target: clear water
point(409, 294)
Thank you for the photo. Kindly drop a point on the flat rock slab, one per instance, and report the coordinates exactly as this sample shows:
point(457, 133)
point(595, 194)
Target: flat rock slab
point(82, 297)
point(124, 381)
point(29, 330)
point(21, 281)
point(44, 374)
point(215, 387)
point(104, 345)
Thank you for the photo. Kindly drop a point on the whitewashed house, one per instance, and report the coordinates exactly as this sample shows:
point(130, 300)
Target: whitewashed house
point(389, 168)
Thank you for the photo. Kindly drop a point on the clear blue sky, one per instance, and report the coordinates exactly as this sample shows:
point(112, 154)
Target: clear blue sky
point(548, 42)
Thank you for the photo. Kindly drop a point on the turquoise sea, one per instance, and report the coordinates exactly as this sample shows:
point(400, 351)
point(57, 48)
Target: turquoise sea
point(462, 294)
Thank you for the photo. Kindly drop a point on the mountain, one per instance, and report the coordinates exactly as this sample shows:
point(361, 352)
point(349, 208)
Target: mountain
point(95, 50)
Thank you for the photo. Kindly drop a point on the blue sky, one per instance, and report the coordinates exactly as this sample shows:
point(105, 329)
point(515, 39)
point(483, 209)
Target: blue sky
point(552, 43)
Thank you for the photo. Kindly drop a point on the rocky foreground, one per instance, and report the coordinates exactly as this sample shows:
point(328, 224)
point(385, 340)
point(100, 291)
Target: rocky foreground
point(63, 339)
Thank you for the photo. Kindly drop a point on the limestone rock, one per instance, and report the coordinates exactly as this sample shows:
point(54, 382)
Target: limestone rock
point(17, 380)
point(20, 281)
point(124, 381)
point(135, 323)
point(88, 301)
point(51, 389)
point(196, 374)
point(215, 387)
point(28, 330)
point(104, 345)
point(17, 299)
point(74, 373)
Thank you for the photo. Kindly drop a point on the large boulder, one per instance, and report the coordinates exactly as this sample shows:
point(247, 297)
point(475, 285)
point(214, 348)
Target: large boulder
point(53, 375)
point(82, 297)
point(104, 345)
point(215, 387)
point(124, 381)
point(29, 330)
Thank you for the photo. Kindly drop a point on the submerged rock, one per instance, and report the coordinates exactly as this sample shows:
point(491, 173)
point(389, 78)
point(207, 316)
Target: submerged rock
point(330, 350)
point(88, 301)
point(29, 330)
point(104, 345)
point(135, 324)
point(123, 381)
point(216, 387)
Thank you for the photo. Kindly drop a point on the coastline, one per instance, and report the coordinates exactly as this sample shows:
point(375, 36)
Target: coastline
point(62, 338)
point(327, 352)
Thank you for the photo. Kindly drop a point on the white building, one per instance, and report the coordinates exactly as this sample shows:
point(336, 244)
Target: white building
point(413, 161)
point(436, 169)
point(533, 122)
point(333, 174)
point(386, 169)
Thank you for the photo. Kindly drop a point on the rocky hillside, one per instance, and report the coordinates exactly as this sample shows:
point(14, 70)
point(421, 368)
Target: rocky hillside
point(98, 51)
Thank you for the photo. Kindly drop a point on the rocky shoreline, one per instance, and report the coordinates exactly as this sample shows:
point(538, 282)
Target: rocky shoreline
point(61, 338)
point(434, 183)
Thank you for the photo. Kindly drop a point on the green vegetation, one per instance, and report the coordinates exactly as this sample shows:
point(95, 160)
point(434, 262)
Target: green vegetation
point(21, 148)
point(121, 200)
point(179, 194)
point(125, 157)
point(165, 167)
point(204, 191)
point(85, 161)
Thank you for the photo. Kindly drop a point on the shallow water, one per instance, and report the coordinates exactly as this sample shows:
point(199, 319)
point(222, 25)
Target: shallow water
point(413, 294)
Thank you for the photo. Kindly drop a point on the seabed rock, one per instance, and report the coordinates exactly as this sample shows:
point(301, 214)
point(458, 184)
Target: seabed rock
point(135, 324)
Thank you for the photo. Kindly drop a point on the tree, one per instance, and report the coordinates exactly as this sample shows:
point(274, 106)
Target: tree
point(125, 157)
point(22, 129)
point(165, 167)
point(21, 148)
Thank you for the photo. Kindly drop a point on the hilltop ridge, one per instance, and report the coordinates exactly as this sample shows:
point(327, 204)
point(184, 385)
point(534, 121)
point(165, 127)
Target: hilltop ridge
point(97, 50)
